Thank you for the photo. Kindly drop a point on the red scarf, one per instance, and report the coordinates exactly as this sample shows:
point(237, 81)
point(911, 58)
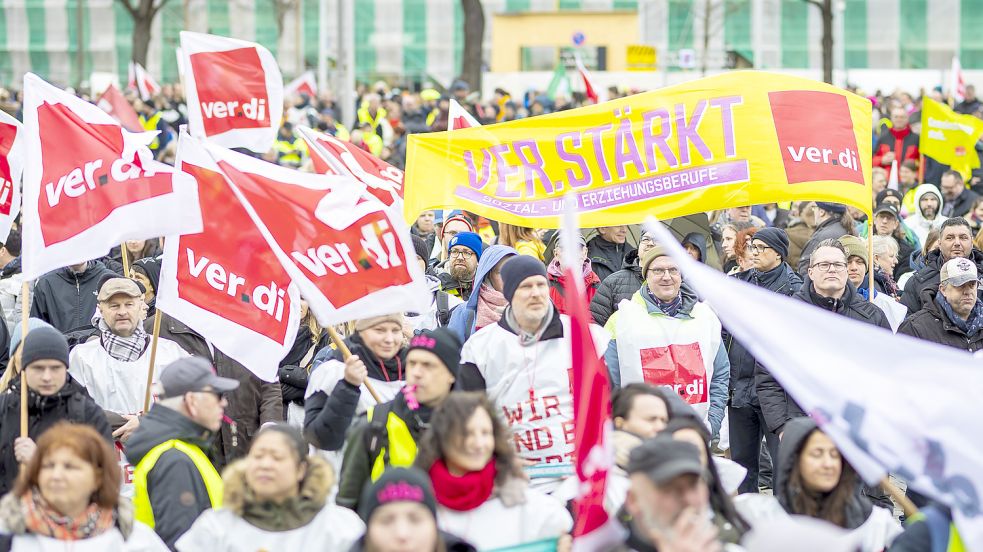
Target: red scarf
point(462, 493)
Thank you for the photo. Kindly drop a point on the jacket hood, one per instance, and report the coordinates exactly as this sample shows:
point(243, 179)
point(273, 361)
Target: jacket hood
point(698, 241)
point(489, 258)
point(923, 189)
point(313, 489)
point(163, 424)
point(631, 260)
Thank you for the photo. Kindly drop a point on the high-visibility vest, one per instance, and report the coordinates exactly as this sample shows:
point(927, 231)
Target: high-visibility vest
point(365, 117)
point(400, 448)
point(151, 124)
point(143, 510)
point(289, 152)
point(340, 132)
point(374, 143)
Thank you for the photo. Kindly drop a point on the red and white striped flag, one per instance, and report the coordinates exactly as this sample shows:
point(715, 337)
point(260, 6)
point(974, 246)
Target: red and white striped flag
point(957, 84)
point(142, 81)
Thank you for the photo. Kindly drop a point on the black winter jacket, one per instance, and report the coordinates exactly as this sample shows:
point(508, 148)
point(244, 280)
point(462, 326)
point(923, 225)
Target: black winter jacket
point(606, 258)
point(776, 406)
point(828, 229)
point(71, 403)
point(67, 300)
point(931, 324)
point(921, 288)
point(618, 286)
point(177, 491)
point(742, 364)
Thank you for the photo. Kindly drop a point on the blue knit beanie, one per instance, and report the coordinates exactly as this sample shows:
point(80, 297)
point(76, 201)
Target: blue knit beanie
point(467, 239)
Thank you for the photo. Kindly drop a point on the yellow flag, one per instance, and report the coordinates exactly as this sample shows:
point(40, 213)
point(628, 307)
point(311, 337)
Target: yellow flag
point(735, 139)
point(950, 138)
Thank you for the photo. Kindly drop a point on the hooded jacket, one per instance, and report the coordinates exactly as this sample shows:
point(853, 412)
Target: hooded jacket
point(931, 324)
point(921, 287)
point(616, 288)
point(606, 257)
point(463, 318)
point(917, 221)
point(233, 527)
point(70, 403)
point(698, 241)
point(67, 300)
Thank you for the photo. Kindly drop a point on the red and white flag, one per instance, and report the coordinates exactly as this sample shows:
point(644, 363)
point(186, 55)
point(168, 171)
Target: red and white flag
point(892, 179)
point(590, 89)
point(113, 102)
point(11, 171)
point(304, 84)
point(234, 91)
point(143, 82)
point(351, 256)
point(330, 155)
point(225, 282)
point(593, 529)
point(957, 83)
point(458, 117)
point(89, 184)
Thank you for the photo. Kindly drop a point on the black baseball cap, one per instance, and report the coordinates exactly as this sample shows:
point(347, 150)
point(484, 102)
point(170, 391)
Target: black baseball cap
point(663, 458)
point(193, 374)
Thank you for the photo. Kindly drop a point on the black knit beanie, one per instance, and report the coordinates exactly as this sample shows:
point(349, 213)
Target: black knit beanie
point(517, 269)
point(441, 342)
point(775, 238)
point(44, 344)
point(420, 246)
point(397, 485)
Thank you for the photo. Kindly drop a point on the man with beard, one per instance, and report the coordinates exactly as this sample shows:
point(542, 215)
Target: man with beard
point(464, 251)
point(955, 240)
point(928, 209)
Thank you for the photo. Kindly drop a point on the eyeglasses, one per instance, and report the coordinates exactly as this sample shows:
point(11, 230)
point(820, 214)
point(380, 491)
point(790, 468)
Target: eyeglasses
point(660, 272)
point(464, 253)
point(755, 248)
point(646, 241)
point(826, 267)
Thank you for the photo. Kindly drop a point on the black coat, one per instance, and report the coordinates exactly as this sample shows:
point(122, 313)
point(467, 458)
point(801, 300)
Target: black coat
point(71, 403)
point(615, 288)
point(960, 206)
point(67, 300)
point(742, 363)
point(931, 324)
point(606, 258)
point(921, 288)
point(828, 229)
point(776, 406)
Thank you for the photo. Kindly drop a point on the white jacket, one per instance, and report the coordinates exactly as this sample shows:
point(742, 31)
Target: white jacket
point(142, 539)
point(115, 385)
point(10, 299)
point(493, 525)
point(333, 529)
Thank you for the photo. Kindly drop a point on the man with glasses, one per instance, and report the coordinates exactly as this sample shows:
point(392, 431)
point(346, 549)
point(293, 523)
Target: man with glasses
point(174, 481)
point(666, 337)
point(768, 251)
point(829, 289)
point(463, 253)
point(622, 284)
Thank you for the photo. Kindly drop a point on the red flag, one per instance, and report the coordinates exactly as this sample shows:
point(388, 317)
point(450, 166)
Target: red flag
point(234, 90)
point(458, 117)
point(145, 84)
point(304, 84)
point(589, 89)
point(113, 102)
point(349, 255)
point(333, 156)
point(11, 171)
point(225, 282)
point(89, 184)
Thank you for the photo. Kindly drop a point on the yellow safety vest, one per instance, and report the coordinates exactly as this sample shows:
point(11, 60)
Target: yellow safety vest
point(401, 446)
point(143, 510)
point(290, 152)
point(365, 117)
point(151, 124)
point(340, 132)
point(374, 143)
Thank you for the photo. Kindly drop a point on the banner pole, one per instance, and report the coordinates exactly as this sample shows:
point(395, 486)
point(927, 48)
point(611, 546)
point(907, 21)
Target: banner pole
point(870, 257)
point(153, 360)
point(906, 504)
point(345, 353)
point(25, 291)
point(921, 169)
point(126, 259)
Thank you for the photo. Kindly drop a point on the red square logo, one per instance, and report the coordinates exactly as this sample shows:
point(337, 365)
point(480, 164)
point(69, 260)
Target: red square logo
point(815, 135)
point(678, 367)
point(231, 88)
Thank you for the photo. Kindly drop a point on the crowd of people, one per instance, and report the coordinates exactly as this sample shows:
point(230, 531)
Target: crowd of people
point(471, 443)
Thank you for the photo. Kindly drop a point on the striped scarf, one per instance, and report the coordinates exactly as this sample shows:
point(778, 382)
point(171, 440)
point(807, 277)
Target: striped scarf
point(123, 349)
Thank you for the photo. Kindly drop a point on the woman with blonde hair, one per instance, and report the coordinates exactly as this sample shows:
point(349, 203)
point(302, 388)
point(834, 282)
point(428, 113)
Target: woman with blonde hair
point(524, 240)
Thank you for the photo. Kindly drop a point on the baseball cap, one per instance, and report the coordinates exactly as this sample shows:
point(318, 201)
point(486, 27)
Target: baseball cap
point(663, 458)
point(192, 374)
point(116, 286)
point(957, 272)
point(887, 208)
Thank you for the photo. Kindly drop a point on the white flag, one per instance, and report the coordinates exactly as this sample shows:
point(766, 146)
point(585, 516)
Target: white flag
point(11, 171)
point(892, 403)
point(458, 117)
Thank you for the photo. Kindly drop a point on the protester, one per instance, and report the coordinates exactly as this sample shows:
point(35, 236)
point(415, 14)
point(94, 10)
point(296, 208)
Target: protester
point(524, 240)
point(955, 241)
point(147, 272)
point(11, 279)
point(294, 371)
point(276, 498)
point(135, 250)
point(522, 362)
point(607, 250)
point(556, 274)
point(478, 483)
point(955, 316)
point(696, 245)
point(484, 308)
point(768, 250)
point(622, 284)
point(174, 480)
point(400, 514)
point(887, 222)
point(813, 479)
point(451, 227)
point(464, 252)
point(896, 143)
point(391, 431)
point(425, 228)
point(886, 257)
point(334, 391)
point(113, 367)
point(958, 199)
point(68, 497)
point(52, 396)
point(857, 270)
point(442, 304)
point(931, 529)
point(928, 211)
point(741, 255)
point(800, 229)
point(66, 298)
point(772, 214)
point(832, 222)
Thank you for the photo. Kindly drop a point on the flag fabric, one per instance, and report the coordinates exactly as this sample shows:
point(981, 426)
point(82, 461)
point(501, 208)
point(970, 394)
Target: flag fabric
point(350, 256)
point(113, 102)
point(949, 137)
point(304, 84)
point(458, 117)
point(738, 138)
point(11, 171)
point(234, 91)
point(892, 180)
point(225, 282)
point(871, 391)
point(330, 155)
point(559, 84)
point(590, 89)
point(957, 84)
point(89, 184)
point(144, 82)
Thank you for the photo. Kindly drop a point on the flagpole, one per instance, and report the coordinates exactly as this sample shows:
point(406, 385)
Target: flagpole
point(345, 353)
point(153, 360)
point(25, 290)
point(126, 259)
point(921, 168)
point(870, 257)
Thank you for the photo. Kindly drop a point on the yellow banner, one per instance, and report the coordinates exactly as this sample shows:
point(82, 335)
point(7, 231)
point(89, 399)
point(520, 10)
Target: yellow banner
point(950, 138)
point(735, 139)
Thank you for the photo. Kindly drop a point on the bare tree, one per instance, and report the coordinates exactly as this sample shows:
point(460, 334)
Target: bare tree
point(142, 13)
point(474, 36)
point(826, 10)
